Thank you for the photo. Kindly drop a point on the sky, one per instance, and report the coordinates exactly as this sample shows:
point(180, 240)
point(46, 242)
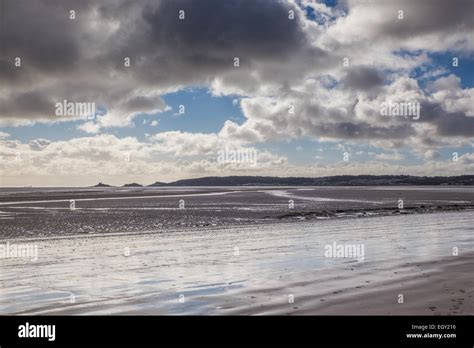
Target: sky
point(175, 83)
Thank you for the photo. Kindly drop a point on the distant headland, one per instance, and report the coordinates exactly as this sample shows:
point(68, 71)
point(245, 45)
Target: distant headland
point(340, 180)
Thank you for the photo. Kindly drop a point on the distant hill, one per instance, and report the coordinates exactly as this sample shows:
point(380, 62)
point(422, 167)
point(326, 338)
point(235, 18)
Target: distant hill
point(158, 183)
point(132, 185)
point(100, 184)
point(340, 180)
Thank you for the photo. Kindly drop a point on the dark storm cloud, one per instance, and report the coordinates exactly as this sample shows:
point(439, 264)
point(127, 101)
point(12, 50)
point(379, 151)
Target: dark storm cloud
point(258, 28)
point(41, 33)
point(362, 130)
point(29, 104)
point(448, 124)
point(362, 78)
point(48, 44)
point(84, 58)
point(143, 103)
point(203, 46)
point(456, 124)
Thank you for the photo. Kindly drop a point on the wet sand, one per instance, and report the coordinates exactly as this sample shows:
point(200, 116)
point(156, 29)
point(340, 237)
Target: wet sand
point(439, 287)
point(46, 212)
point(251, 270)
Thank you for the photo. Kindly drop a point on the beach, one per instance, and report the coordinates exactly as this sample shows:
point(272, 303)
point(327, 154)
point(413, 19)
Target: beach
point(274, 267)
point(45, 212)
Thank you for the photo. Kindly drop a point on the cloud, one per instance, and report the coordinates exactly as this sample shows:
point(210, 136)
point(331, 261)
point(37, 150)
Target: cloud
point(284, 64)
point(82, 60)
point(103, 157)
point(336, 113)
point(364, 78)
point(89, 127)
point(447, 91)
point(389, 156)
point(39, 144)
point(186, 144)
point(432, 155)
point(433, 25)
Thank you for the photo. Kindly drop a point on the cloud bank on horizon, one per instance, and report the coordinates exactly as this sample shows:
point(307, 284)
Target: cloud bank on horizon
point(315, 88)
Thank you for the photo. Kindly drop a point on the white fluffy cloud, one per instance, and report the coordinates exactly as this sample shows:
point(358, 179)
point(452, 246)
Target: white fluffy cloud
point(106, 158)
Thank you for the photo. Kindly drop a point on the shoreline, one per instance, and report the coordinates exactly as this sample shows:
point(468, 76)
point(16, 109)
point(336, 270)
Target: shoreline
point(286, 220)
point(373, 212)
